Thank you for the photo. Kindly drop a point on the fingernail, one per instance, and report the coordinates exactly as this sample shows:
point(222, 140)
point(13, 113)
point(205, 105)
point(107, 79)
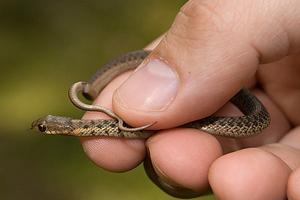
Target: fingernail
point(151, 88)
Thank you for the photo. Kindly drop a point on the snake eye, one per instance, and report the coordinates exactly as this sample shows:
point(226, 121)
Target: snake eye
point(42, 127)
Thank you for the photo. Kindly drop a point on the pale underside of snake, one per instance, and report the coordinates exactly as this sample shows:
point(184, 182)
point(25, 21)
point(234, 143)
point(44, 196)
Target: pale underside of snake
point(255, 119)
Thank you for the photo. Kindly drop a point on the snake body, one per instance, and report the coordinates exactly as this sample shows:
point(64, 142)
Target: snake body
point(58, 125)
point(255, 119)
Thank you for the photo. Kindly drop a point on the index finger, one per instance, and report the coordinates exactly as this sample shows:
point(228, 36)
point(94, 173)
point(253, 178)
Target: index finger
point(113, 154)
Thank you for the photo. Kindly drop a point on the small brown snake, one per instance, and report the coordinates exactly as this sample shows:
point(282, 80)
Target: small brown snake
point(255, 119)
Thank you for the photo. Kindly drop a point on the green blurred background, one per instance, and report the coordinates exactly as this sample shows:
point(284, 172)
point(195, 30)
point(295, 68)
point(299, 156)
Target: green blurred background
point(46, 46)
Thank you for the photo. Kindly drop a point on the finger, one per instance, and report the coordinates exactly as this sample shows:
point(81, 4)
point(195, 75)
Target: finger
point(288, 148)
point(281, 82)
point(249, 174)
point(205, 58)
point(290, 153)
point(293, 189)
point(112, 154)
point(182, 157)
point(237, 175)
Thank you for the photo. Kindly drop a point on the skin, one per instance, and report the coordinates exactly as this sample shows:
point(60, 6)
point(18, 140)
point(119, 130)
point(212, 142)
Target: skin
point(215, 48)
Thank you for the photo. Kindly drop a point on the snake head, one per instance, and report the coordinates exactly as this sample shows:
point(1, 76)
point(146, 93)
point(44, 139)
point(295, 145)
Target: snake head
point(39, 125)
point(52, 125)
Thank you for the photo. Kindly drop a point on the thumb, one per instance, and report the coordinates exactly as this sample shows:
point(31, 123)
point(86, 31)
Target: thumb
point(207, 55)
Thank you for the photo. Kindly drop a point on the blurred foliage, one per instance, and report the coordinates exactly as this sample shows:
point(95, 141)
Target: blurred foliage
point(45, 47)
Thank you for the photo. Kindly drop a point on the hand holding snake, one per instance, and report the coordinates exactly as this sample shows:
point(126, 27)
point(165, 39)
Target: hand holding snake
point(190, 75)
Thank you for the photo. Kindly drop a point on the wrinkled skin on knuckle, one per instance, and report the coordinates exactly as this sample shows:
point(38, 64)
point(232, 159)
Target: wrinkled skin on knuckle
point(197, 21)
point(200, 32)
point(204, 24)
point(195, 27)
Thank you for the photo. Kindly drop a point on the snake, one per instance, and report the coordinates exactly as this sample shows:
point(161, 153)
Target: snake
point(254, 120)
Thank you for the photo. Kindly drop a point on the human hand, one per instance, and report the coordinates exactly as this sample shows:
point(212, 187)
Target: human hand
point(213, 49)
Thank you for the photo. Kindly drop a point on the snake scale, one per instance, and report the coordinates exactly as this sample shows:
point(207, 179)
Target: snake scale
point(255, 119)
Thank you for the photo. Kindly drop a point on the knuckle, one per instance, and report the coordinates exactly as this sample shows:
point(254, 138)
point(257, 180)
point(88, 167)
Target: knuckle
point(200, 22)
point(197, 21)
point(195, 8)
